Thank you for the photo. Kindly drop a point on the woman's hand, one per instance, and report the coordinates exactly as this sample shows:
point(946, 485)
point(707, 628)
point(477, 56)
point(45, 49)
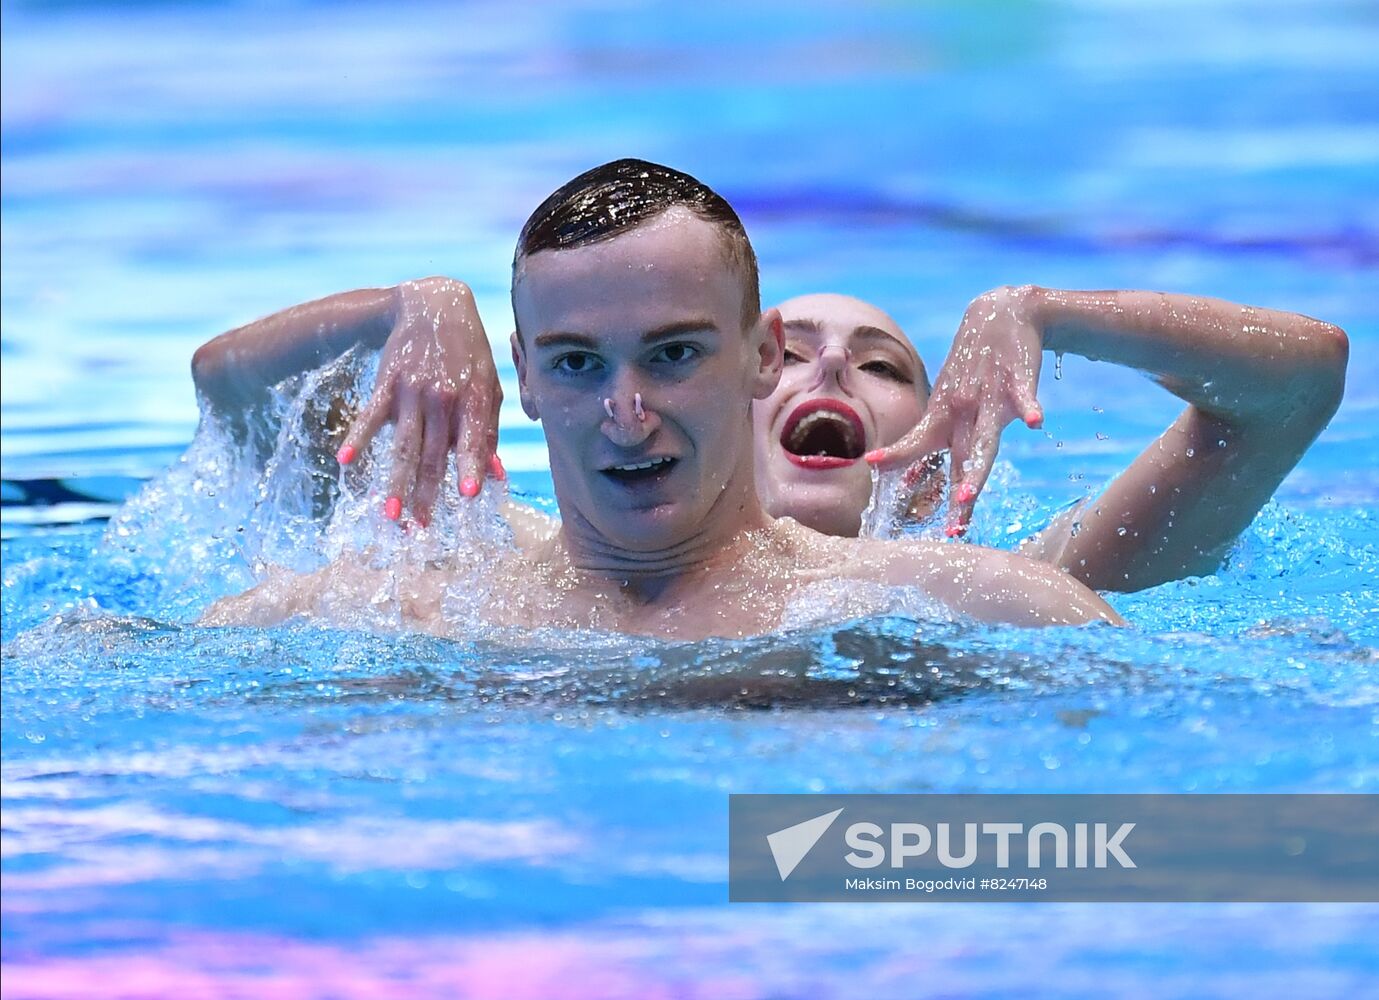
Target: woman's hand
point(989, 379)
point(438, 385)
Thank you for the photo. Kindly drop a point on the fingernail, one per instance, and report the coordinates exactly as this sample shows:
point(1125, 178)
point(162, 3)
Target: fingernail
point(469, 486)
point(1034, 419)
point(392, 508)
point(345, 455)
point(874, 456)
point(966, 493)
point(955, 530)
point(495, 468)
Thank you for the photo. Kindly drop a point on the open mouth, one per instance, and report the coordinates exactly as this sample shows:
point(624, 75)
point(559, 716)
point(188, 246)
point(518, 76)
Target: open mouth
point(647, 471)
point(824, 434)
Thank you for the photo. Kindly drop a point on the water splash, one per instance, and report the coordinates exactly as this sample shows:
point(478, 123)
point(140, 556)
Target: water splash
point(244, 500)
point(905, 502)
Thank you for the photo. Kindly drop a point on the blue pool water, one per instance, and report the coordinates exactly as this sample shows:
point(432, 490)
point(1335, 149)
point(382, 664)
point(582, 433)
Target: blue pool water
point(304, 812)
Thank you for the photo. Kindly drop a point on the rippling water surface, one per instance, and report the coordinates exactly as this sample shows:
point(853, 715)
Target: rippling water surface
point(304, 811)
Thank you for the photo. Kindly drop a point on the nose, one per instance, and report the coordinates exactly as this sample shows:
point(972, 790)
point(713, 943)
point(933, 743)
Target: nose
point(832, 362)
point(629, 419)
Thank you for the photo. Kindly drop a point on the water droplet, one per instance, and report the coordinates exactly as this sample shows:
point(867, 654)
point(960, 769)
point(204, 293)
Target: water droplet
point(1102, 437)
point(1077, 526)
point(1121, 531)
point(1058, 364)
point(1191, 452)
point(1153, 489)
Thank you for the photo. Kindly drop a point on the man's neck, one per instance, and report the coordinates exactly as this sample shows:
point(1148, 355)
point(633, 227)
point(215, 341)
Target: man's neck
point(647, 574)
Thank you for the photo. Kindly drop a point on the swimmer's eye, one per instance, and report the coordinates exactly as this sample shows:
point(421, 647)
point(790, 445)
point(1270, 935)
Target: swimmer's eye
point(793, 357)
point(677, 354)
point(577, 363)
point(886, 370)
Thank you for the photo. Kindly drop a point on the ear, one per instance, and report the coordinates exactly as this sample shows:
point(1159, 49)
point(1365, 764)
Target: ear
point(768, 348)
point(519, 361)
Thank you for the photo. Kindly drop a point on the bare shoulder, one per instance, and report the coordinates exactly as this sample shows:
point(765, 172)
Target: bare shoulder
point(339, 592)
point(281, 595)
point(986, 584)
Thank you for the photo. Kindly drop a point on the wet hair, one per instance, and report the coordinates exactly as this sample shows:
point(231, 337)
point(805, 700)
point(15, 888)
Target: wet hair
point(616, 197)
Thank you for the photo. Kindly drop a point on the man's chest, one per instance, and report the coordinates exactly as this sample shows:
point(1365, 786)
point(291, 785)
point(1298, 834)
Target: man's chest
point(732, 603)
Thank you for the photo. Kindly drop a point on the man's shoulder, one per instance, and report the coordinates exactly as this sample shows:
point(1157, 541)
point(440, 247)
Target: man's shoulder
point(988, 584)
point(909, 560)
point(863, 558)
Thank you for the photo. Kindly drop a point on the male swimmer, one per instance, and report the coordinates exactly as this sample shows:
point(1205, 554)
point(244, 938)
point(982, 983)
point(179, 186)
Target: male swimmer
point(1260, 386)
point(641, 348)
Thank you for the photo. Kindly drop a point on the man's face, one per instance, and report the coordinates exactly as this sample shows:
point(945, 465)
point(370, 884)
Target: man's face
point(648, 324)
point(852, 382)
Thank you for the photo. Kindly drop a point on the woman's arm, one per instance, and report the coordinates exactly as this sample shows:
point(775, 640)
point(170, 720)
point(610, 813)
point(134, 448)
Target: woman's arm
point(1260, 385)
point(235, 371)
point(436, 378)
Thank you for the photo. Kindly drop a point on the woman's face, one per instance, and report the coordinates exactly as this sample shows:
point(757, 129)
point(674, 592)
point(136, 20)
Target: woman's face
point(852, 382)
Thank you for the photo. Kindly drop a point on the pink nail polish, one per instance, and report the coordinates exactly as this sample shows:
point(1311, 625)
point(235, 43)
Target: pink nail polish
point(345, 455)
point(469, 486)
point(392, 508)
point(1034, 419)
point(874, 456)
point(495, 468)
point(966, 493)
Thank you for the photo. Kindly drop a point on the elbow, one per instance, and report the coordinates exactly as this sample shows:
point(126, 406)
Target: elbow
point(205, 365)
point(1328, 374)
point(1337, 358)
point(1309, 393)
point(211, 377)
point(203, 359)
